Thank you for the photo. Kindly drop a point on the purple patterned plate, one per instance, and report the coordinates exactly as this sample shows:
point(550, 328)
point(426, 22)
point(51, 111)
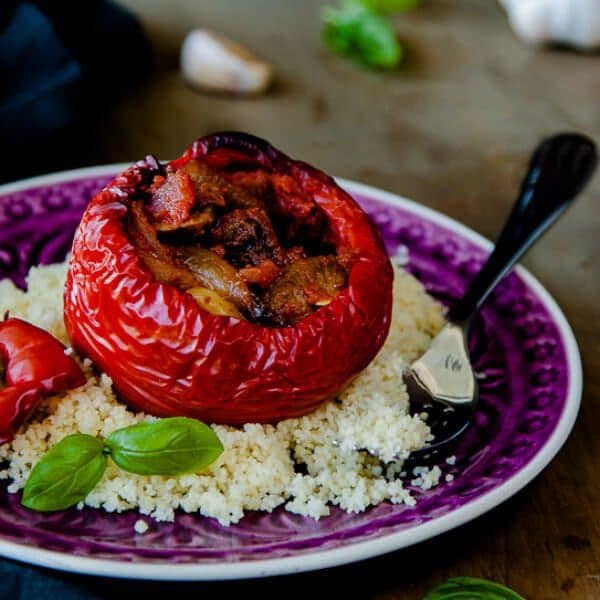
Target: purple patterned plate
point(530, 396)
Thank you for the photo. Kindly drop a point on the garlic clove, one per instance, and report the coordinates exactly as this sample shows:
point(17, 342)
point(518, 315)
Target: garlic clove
point(575, 23)
point(529, 20)
point(212, 62)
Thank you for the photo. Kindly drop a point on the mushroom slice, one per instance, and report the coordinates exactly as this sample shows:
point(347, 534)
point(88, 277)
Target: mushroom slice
point(159, 258)
point(218, 275)
point(214, 303)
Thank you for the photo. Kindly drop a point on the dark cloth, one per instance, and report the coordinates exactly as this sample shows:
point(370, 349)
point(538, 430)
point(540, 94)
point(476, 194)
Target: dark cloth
point(19, 582)
point(62, 64)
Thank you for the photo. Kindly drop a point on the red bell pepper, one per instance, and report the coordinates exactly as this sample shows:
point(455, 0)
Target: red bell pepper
point(168, 356)
point(35, 365)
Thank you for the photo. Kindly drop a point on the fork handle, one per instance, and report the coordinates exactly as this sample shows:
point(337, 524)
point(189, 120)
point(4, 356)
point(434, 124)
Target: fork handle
point(558, 170)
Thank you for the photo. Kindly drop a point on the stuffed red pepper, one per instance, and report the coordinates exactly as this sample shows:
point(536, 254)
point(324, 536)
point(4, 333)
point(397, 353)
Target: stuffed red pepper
point(232, 285)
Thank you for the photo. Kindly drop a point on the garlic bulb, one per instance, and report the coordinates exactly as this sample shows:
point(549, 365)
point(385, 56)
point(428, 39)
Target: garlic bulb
point(572, 22)
point(212, 62)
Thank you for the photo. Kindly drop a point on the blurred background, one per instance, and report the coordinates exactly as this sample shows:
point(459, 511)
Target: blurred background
point(447, 118)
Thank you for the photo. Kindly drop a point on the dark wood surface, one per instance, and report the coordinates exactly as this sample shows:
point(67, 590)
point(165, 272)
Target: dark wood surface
point(451, 129)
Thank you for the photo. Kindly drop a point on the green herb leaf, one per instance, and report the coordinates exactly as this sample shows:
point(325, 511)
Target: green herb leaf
point(354, 31)
point(471, 588)
point(66, 474)
point(389, 6)
point(167, 447)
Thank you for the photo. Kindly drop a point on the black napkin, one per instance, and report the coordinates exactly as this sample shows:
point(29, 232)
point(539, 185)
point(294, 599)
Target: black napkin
point(62, 64)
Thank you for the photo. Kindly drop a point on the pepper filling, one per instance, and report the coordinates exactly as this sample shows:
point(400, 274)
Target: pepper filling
point(247, 244)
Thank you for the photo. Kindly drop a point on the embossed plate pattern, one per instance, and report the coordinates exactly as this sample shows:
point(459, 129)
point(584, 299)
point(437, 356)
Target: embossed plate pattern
point(530, 394)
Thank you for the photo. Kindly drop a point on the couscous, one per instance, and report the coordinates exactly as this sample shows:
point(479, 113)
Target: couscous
point(304, 464)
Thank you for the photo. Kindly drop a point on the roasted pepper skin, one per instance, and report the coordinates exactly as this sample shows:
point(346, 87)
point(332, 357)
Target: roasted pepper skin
point(167, 356)
point(35, 365)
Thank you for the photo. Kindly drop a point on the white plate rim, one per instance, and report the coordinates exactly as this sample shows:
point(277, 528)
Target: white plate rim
point(326, 558)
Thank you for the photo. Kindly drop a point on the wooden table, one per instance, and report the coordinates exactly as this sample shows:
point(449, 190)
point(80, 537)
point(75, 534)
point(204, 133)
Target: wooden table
point(451, 129)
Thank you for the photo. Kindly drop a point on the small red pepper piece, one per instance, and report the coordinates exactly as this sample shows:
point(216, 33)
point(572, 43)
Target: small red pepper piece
point(35, 365)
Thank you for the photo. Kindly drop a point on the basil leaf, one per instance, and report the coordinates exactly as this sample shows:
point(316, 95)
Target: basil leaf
point(389, 6)
point(66, 474)
point(471, 588)
point(167, 447)
point(354, 31)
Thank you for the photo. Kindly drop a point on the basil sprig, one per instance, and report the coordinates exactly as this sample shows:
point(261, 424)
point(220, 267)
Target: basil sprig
point(389, 6)
point(168, 447)
point(354, 31)
point(471, 588)
point(66, 473)
point(71, 469)
point(359, 30)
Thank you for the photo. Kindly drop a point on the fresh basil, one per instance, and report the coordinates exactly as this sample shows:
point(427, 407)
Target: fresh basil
point(471, 588)
point(167, 447)
point(355, 31)
point(66, 474)
point(69, 471)
point(389, 6)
